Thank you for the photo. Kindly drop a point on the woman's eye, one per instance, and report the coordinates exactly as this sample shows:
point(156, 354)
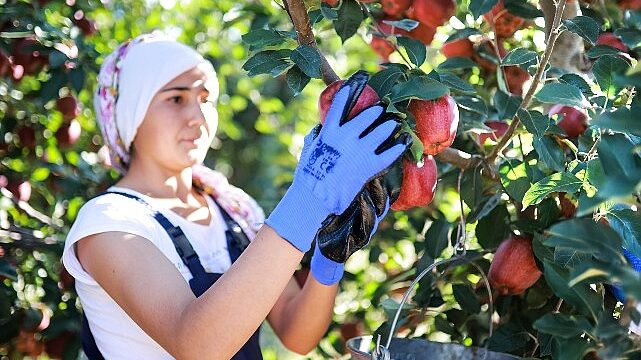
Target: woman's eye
point(176, 99)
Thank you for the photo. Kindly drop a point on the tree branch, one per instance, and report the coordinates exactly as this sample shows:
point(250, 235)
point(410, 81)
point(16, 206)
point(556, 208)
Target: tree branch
point(553, 36)
point(303, 25)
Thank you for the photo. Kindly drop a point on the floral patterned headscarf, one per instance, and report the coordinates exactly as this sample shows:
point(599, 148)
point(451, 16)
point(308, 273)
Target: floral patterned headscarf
point(128, 80)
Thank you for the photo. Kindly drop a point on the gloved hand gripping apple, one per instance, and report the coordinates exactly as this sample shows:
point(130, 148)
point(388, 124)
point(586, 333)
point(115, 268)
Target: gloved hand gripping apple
point(344, 234)
point(335, 165)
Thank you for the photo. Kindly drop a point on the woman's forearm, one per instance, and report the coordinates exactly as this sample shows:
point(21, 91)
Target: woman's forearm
point(234, 307)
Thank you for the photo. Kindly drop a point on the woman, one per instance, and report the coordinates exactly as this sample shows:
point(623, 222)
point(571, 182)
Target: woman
point(157, 258)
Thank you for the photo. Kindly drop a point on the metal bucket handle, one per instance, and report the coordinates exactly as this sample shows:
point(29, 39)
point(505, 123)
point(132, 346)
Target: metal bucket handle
point(381, 352)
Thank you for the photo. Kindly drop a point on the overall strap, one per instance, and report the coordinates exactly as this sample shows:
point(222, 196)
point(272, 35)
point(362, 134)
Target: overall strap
point(237, 240)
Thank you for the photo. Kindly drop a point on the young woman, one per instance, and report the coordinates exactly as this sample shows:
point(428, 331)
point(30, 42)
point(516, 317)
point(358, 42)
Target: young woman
point(163, 260)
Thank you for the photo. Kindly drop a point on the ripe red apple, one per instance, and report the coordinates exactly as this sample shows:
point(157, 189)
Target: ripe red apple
point(574, 122)
point(395, 8)
point(487, 48)
point(351, 329)
point(458, 47)
point(432, 12)
point(608, 38)
point(419, 184)
point(515, 78)
point(629, 4)
point(55, 347)
point(26, 343)
point(568, 208)
point(20, 189)
point(368, 97)
point(331, 3)
point(68, 106)
point(68, 133)
point(503, 23)
point(382, 47)
point(499, 128)
point(436, 122)
point(27, 136)
point(513, 269)
point(423, 33)
point(25, 54)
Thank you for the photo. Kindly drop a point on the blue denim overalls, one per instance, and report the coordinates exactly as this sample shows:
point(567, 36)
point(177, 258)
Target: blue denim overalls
point(236, 242)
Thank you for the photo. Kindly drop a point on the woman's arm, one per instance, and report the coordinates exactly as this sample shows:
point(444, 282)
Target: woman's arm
point(153, 293)
point(301, 317)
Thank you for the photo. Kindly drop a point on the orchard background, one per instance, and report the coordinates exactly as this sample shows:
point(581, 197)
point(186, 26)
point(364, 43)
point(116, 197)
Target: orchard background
point(538, 173)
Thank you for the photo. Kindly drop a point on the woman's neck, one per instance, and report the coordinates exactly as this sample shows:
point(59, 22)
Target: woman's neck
point(158, 182)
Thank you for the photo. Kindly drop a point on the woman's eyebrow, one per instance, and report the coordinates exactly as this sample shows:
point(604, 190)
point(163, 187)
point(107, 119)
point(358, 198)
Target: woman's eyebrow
point(184, 88)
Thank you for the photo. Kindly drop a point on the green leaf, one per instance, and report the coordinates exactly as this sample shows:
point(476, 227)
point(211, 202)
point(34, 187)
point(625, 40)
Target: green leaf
point(462, 34)
point(57, 59)
point(493, 228)
point(437, 238)
point(621, 165)
point(472, 103)
point(550, 153)
point(455, 83)
point(329, 12)
point(522, 9)
point(416, 50)
point(383, 81)
point(561, 93)
point(627, 223)
point(260, 38)
point(562, 325)
point(600, 50)
point(417, 87)
point(514, 179)
point(268, 61)
point(308, 60)
point(559, 182)
point(581, 297)
point(456, 63)
point(487, 204)
point(520, 56)
point(466, 297)
point(40, 174)
point(630, 37)
point(605, 68)
point(623, 119)
point(480, 7)
point(349, 19)
point(571, 349)
point(584, 26)
point(8, 270)
point(587, 236)
point(578, 81)
point(535, 122)
point(506, 105)
point(296, 80)
point(77, 78)
point(569, 258)
point(405, 24)
point(541, 251)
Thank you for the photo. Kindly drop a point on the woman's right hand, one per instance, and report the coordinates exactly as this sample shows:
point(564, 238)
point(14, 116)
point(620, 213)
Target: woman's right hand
point(336, 164)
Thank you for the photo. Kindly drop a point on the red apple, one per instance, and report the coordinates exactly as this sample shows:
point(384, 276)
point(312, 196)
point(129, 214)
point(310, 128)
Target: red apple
point(423, 33)
point(367, 98)
point(419, 184)
point(513, 269)
point(486, 49)
point(68, 106)
point(332, 3)
point(503, 23)
point(351, 329)
point(432, 12)
point(515, 78)
point(55, 347)
point(574, 122)
point(568, 208)
point(629, 4)
point(27, 136)
point(458, 47)
point(436, 122)
point(608, 38)
point(382, 47)
point(395, 8)
point(499, 128)
point(68, 133)
point(25, 54)
point(86, 26)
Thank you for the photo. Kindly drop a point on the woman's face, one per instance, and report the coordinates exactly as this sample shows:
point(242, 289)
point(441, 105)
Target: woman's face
point(180, 122)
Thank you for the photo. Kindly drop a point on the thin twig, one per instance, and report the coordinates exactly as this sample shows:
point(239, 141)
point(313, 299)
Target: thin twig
point(378, 28)
point(554, 35)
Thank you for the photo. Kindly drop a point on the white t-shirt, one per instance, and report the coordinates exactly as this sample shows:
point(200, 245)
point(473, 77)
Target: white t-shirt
point(116, 334)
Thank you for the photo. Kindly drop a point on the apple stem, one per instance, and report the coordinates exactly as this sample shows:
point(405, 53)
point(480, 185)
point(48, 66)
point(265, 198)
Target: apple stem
point(552, 37)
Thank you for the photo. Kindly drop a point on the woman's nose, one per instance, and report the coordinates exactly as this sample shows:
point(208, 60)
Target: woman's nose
point(197, 116)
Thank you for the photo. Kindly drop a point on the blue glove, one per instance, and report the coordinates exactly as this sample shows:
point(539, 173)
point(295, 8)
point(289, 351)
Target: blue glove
point(346, 241)
point(334, 166)
point(635, 261)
